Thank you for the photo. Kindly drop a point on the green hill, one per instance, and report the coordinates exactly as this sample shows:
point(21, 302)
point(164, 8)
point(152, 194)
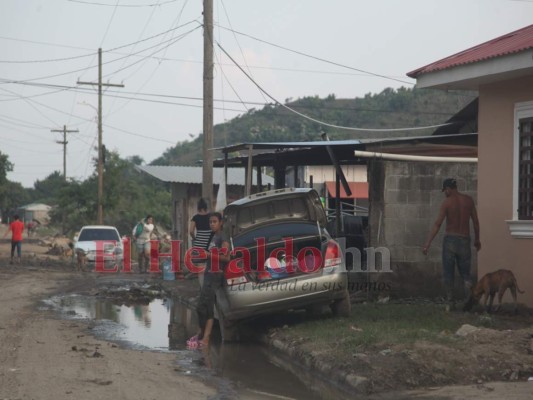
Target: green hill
point(389, 109)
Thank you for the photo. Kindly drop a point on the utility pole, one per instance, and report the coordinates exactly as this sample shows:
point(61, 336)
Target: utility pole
point(207, 165)
point(100, 217)
point(64, 143)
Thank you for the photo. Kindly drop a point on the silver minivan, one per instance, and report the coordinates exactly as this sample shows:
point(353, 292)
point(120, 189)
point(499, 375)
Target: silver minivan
point(283, 258)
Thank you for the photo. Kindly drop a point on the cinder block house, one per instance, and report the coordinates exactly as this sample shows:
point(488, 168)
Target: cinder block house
point(501, 70)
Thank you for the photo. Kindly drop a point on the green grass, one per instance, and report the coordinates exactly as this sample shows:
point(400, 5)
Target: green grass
point(376, 325)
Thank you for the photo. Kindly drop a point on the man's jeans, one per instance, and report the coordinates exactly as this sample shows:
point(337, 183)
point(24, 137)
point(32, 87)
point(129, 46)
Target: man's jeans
point(456, 249)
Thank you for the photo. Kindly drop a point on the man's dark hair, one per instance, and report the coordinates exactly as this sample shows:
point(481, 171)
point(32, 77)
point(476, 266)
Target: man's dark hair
point(202, 205)
point(216, 214)
point(16, 216)
point(449, 183)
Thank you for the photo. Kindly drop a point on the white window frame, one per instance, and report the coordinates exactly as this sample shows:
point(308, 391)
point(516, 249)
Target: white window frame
point(519, 228)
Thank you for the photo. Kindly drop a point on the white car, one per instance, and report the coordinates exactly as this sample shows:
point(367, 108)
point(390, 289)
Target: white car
point(100, 240)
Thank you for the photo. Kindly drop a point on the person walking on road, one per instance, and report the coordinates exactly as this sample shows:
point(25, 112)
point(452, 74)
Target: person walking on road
point(16, 227)
point(458, 209)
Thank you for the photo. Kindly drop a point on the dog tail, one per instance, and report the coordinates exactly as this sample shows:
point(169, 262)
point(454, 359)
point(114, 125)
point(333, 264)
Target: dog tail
point(516, 285)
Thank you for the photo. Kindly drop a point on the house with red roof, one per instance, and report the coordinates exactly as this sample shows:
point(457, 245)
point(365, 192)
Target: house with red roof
point(501, 70)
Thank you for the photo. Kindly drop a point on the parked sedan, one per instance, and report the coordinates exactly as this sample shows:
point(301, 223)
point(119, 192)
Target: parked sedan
point(283, 258)
point(100, 242)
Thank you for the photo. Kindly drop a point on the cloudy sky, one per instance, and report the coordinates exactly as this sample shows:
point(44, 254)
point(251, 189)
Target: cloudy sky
point(291, 48)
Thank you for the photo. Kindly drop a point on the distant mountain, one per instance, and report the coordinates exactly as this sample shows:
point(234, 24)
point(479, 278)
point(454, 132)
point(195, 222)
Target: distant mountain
point(391, 108)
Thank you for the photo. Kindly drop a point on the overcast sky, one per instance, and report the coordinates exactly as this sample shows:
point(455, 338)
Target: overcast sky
point(155, 48)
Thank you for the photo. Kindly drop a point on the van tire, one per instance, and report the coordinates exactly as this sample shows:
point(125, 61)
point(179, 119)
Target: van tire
point(342, 307)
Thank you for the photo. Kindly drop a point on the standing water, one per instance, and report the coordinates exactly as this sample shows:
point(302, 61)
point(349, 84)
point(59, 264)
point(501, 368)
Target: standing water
point(236, 370)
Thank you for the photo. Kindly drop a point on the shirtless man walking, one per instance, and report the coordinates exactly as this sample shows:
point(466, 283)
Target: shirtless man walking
point(457, 209)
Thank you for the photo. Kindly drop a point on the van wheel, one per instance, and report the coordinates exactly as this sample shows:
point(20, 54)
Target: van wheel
point(342, 307)
point(229, 332)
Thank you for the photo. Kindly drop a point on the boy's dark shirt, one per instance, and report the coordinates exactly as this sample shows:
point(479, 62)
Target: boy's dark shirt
point(216, 241)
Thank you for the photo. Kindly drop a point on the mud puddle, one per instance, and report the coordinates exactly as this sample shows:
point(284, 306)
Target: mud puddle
point(243, 370)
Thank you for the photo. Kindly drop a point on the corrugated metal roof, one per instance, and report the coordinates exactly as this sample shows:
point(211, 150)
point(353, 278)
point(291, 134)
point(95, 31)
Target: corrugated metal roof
point(35, 207)
point(189, 174)
point(507, 44)
point(286, 145)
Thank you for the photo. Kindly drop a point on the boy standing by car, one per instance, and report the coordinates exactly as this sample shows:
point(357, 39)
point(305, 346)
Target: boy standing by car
point(217, 259)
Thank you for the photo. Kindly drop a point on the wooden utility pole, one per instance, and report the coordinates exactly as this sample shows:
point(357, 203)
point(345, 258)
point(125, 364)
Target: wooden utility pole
point(64, 143)
point(207, 165)
point(100, 217)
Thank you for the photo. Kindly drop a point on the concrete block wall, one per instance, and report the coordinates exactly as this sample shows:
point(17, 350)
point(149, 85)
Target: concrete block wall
point(405, 198)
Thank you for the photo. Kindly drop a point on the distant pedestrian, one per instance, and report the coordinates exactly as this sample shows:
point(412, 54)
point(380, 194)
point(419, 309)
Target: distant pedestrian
point(458, 209)
point(16, 227)
point(142, 234)
point(30, 226)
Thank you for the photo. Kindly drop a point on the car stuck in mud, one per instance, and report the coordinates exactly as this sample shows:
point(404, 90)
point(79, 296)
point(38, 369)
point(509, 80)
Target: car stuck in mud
point(283, 258)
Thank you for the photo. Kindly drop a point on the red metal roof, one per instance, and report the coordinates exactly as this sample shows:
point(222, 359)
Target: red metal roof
point(359, 190)
point(509, 43)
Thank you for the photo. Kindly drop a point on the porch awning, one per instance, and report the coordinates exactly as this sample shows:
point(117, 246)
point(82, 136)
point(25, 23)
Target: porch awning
point(359, 190)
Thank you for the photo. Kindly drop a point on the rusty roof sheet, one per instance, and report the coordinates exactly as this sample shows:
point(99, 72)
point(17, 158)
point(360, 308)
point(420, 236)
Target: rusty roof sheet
point(507, 44)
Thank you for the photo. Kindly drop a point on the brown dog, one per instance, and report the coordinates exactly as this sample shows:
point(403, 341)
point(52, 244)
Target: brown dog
point(489, 285)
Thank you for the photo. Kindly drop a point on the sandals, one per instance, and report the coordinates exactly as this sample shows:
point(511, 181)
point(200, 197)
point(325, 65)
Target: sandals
point(193, 342)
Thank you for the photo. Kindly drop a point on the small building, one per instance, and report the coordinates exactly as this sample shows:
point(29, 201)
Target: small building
point(34, 212)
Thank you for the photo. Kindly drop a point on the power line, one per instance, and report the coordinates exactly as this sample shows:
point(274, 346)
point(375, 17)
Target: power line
point(109, 93)
point(322, 122)
point(112, 61)
point(314, 57)
point(112, 50)
point(123, 5)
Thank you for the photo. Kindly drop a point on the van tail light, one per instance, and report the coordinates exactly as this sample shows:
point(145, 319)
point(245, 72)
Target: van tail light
point(333, 255)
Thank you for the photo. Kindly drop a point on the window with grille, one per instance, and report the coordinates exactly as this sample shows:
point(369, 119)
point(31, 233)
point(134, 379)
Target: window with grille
point(525, 169)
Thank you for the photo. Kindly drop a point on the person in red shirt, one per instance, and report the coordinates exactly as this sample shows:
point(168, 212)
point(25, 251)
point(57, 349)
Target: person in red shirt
point(16, 227)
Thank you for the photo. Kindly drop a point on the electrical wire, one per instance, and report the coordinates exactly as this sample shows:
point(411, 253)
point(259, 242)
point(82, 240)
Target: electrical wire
point(172, 42)
point(322, 122)
point(105, 63)
point(314, 57)
point(123, 5)
point(109, 93)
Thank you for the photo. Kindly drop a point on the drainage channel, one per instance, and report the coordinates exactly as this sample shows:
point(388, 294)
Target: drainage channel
point(243, 370)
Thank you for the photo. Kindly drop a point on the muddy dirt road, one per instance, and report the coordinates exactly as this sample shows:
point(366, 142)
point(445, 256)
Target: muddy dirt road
point(47, 358)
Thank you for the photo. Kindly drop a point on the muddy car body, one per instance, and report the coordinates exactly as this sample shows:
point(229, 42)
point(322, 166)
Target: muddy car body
point(283, 258)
